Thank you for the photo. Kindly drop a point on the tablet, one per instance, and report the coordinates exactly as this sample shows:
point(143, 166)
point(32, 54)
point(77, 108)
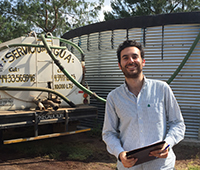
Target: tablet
point(143, 153)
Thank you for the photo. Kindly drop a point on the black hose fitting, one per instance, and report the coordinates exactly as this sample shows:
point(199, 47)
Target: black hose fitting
point(57, 62)
point(61, 68)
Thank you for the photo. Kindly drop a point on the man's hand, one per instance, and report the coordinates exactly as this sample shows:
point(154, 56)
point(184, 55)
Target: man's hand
point(127, 162)
point(161, 153)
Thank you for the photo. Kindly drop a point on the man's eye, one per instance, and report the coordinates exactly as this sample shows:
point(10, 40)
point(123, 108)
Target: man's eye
point(125, 58)
point(134, 57)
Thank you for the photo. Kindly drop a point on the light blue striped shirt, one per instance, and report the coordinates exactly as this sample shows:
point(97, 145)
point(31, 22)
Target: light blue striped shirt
point(132, 122)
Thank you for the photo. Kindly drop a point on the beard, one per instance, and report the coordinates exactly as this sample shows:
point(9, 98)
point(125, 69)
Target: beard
point(133, 73)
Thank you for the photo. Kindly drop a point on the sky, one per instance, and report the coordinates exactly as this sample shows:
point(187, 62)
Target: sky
point(106, 7)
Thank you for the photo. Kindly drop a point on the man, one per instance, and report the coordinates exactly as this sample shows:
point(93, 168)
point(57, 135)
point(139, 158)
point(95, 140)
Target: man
point(137, 112)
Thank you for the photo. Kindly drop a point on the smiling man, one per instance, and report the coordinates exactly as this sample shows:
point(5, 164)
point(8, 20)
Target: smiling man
point(137, 113)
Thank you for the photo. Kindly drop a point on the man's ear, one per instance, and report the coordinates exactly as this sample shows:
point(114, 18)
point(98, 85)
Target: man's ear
point(119, 66)
point(143, 62)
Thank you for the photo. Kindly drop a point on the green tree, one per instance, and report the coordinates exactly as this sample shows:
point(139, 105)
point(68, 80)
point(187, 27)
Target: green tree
point(19, 17)
point(10, 29)
point(128, 8)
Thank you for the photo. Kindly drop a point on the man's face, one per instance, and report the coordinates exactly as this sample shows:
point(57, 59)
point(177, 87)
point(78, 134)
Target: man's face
point(131, 62)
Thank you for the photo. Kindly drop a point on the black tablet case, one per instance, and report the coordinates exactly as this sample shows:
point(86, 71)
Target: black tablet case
point(143, 153)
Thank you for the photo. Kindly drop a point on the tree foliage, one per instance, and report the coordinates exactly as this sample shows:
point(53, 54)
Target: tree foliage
point(128, 8)
point(19, 17)
point(10, 29)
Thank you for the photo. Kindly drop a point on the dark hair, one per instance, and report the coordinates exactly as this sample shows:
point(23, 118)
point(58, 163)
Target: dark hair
point(129, 43)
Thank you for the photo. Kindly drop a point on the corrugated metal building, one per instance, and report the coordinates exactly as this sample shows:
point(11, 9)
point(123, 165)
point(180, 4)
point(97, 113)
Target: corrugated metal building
point(167, 40)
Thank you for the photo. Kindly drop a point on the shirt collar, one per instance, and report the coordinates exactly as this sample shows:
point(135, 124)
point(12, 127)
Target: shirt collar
point(126, 87)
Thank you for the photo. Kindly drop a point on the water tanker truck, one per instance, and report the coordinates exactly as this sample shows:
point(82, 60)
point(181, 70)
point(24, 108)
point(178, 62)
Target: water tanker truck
point(42, 84)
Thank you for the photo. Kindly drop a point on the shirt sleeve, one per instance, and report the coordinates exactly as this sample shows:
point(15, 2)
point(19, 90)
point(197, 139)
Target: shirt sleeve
point(110, 133)
point(175, 119)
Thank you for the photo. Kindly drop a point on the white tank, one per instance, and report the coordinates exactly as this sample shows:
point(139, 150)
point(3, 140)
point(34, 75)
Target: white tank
point(33, 67)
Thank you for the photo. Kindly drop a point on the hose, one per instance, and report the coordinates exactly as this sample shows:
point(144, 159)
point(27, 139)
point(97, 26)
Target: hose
point(185, 59)
point(57, 62)
point(7, 88)
point(30, 45)
point(72, 44)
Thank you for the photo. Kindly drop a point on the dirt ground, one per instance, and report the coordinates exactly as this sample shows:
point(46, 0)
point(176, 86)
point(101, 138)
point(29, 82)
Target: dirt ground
point(17, 159)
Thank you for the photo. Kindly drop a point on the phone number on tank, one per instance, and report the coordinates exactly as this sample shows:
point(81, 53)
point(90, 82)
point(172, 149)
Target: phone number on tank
point(17, 78)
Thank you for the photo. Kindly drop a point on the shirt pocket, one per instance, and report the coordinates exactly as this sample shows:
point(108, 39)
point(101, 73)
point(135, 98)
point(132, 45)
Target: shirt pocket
point(155, 112)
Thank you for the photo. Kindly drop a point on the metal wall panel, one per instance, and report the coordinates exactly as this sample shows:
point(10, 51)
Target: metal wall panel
point(165, 48)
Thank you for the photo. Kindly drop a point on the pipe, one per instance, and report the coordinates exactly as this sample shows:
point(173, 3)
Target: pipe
point(57, 62)
point(30, 45)
point(55, 106)
point(185, 59)
point(7, 88)
point(72, 44)
point(39, 104)
point(44, 136)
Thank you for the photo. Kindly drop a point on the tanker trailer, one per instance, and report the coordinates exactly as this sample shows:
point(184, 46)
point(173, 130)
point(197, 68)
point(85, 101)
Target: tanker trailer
point(42, 84)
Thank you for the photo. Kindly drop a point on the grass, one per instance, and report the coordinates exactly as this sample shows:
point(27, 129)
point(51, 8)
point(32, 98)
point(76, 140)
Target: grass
point(80, 153)
point(57, 151)
point(61, 150)
point(193, 167)
point(85, 150)
point(189, 165)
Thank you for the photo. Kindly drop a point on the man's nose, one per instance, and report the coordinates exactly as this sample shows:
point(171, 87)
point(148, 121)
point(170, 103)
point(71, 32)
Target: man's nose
point(131, 59)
